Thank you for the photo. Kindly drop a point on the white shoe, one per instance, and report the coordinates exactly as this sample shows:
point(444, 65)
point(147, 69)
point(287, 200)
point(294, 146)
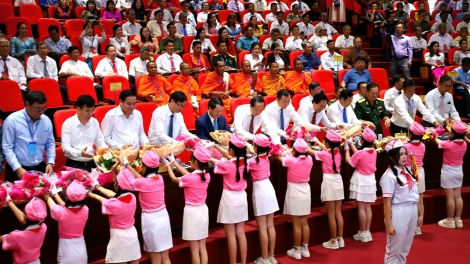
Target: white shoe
point(418, 231)
point(272, 260)
point(331, 244)
point(293, 253)
point(260, 260)
point(340, 242)
point(304, 252)
point(361, 236)
point(369, 236)
point(459, 223)
point(447, 223)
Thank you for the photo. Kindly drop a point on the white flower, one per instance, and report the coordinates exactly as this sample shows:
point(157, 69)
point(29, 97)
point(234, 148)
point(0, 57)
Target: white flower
point(107, 156)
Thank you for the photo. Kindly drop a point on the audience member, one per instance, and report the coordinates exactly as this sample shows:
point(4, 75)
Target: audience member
point(184, 28)
point(21, 42)
point(275, 33)
point(440, 103)
point(185, 10)
point(144, 39)
point(245, 42)
point(232, 27)
point(119, 41)
point(277, 56)
point(462, 53)
point(298, 80)
point(356, 75)
point(325, 25)
point(131, 27)
point(172, 36)
point(447, 25)
point(111, 65)
point(295, 14)
point(11, 68)
point(169, 62)
point(401, 51)
point(212, 120)
point(154, 86)
point(295, 41)
point(111, 12)
point(372, 109)
point(230, 61)
point(443, 38)
point(90, 42)
point(357, 51)
point(392, 93)
point(158, 26)
point(462, 82)
point(138, 66)
point(345, 41)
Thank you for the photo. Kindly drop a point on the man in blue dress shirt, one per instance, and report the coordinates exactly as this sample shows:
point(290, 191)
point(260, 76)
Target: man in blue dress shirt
point(26, 135)
point(56, 44)
point(244, 42)
point(212, 120)
point(309, 58)
point(463, 86)
point(356, 75)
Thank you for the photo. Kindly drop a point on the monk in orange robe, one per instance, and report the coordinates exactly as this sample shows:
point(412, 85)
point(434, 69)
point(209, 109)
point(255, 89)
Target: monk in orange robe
point(244, 81)
point(271, 83)
point(186, 84)
point(154, 86)
point(217, 84)
point(198, 62)
point(297, 80)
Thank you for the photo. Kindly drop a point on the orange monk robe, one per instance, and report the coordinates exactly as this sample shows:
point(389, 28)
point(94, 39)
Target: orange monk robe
point(270, 85)
point(189, 87)
point(298, 83)
point(242, 84)
point(157, 86)
point(199, 63)
point(215, 83)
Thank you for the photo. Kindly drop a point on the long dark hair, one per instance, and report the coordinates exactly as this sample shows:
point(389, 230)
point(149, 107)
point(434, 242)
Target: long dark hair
point(149, 170)
point(18, 28)
point(149, 39)
point(134, 6)
point(94, 4)
point(239, 153)
point(393, 157)
point(333, 145)
point(366, 144)
point(431, 52)
point(107, 5)
point(80, 204)
point(198, 33)
point(261, 150)
point(415, 137)
point(202, 166)
point(220, 36)
point(120, 192)
point(228, 20)
point(29, 223)
point(208, 21)
point(457, 135)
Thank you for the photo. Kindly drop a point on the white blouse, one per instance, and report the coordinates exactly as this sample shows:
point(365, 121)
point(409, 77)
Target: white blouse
point(253, 60)
point(435, 59)
point(88, 42)
point(121, 45)
point(207, 46)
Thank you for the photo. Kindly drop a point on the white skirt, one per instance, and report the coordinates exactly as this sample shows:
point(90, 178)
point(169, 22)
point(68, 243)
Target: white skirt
point(332, 187)
point(123, 246)
point(451, 176)
point(264, 198)
point(37, 261)
point(298, 199)
point(72, 250)
point(363, 187)
point(195, 222)
point(233, 207)
point(421, 181)
point(156, 231)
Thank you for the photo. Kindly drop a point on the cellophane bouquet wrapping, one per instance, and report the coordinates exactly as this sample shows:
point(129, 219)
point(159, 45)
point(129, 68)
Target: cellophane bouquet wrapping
point(67, 176)
point(301, 132)
point(106, 159)
point(191, 143)
point(221, 136)
point(32, 184)
point(3, 193)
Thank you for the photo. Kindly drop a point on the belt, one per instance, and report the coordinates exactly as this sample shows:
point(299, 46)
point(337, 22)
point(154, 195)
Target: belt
point(86, 163)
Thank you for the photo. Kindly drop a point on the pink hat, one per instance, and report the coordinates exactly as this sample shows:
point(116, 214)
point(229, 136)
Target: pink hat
point(123, 179)
point(300, 145)
point(36, 210)
point(76, 192)
point(151, 159)
point(333, 136)
point(202, 154)
point(394, 143)
point(417, 129)
point(459, 127)
point(369, 135)
point(238, 140)
point(261, 140)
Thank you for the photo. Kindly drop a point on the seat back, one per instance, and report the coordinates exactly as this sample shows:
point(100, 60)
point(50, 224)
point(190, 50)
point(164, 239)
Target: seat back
point(14, 101)
point(189, 118)
point(101, 111)
point(146, 109)
point(110, 81)
point(262, 38)
point(45, 23)
point(341, 74)
point(201, 79)
point(105, 43)
point(380, 77)
point(60, 160)
point(79, 10)
point(12, 22)
point(172, 78)
point(296, 100)
point(237, 102)
point(77, 86)
point(65, 58)
point(32, 12)
point(94, 62)
point(50, 88)
point(187, 43)
point(450, 54)
point(187, 58)
point(320, 52)
point(74, 27)
point(6, 11)
point(241, 57)
point(129, 58)
point(382, 94)
point(325, 79)
point(75, 40)
point(269, 99)
point(107, 26)
point(293, 56)
point(59, 119)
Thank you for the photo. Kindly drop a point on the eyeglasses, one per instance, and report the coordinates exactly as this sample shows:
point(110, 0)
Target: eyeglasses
point(181, 106)
point(40, 110)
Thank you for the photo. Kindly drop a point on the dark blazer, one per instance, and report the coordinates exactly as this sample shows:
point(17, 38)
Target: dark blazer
point(283, 56)
point(204, 126)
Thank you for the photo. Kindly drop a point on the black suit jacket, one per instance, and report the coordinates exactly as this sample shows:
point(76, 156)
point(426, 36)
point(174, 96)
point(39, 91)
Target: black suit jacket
point(204, 126)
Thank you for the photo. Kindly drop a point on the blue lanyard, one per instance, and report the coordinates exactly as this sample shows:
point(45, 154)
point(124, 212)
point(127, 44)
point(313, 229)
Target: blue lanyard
point(346, 41)
point(29, 127)
point(358, 53)
point(92, 41)
point(411, 104)
point(77, 68)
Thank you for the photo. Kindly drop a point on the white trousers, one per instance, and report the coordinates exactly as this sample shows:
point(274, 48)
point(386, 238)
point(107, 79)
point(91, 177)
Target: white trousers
point(404, 219)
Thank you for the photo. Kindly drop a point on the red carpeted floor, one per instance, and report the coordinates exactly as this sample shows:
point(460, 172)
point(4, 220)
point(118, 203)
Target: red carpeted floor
point(436, 245)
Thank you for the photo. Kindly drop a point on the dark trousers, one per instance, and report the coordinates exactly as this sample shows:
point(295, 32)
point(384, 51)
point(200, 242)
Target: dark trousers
point(87, 165)
point(397, 129)
point(11, 175)
point(426, 124)
point(63, 93)
point(462, 104)
point(99, 92)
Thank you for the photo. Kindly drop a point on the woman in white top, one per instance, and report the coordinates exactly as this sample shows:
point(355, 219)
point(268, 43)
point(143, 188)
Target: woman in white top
point(206, 44)
point(436, 61)
point(279, 57)
point(120, 42)
point(255, 58)
point(319, 39)
point(24, 2)
point(459, 55)
point(90, 42)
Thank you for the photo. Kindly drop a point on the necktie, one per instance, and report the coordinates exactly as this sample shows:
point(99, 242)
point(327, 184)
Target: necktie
point(46, 73)
point(173, 69)
point(114, 67)
point(314, 118)
point(300, 6)
point(170, 129)
point(442, 111)
point(251, 128)
point(238, 9)
point(215, 124)
point(162, 31)
point(345, 117)
point(282, 118)
point(5, 68)
point(184, 30)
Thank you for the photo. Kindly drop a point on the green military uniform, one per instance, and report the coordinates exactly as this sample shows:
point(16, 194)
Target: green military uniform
point(331, 102)
point(178, 44)
point(229, 60)
point(373, 113)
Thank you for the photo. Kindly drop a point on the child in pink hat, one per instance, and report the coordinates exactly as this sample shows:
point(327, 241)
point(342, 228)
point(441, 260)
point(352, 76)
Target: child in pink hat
point(417, 148)
point(196, 213)
point(26, 244)
point(452, 173)
point(120, 206)
point(264, 197)
point(298, 201)
point(363, 186)
point(71, 217)
point(155, 221)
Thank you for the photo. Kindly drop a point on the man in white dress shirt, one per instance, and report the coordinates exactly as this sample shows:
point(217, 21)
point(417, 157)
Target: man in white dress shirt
point(305, 25)
point(202, 16)
point(295, 41)
point(440, 16)
point(260, 5)
point(440, 103)
point(279, 24)
point(303, 7)
point(314, 88)
point(445, 40)
point(272, 16)
point(328, 60)
point(138, 66)
point(184, 28)
point(235, 5)
point(168, 122)
point(11, 68)
point(405, 108)
point(281, 6)
point(130, 27)
point(75, 68)
point(314, 112)
point(464, 23)
point(123, 126)
point(330, 30)
point(158, 27)
point(166, 14)
point(361, 92)
point(345, 41)
point(340, 111)
point(273, 39)
point(250, 119)
point(394, 92)
point(111, 65)
point(185, 10)
point(251, 12)
point(169, 62)
point(79, 133)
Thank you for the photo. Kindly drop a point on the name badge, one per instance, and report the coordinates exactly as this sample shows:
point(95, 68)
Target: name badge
point(445, 47)
point(93, 50)
point(338, 58)
point(453, 74)
point(32, 150)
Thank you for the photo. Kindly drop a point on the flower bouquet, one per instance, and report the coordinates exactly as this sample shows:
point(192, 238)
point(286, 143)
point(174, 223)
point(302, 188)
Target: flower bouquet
point(380, 144)
point(189, 142)
point(3, 194)
point(300, 132)
point(106, 159)
point(65, 178)
point(221, 136)
point(32, 184)
point(137, 164)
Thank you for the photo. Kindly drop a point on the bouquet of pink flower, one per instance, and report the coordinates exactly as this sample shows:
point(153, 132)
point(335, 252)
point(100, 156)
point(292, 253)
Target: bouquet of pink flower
point(189, 142)
point(33, 184)
point(65, 178)
point(3, 194)
point(301, 132)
